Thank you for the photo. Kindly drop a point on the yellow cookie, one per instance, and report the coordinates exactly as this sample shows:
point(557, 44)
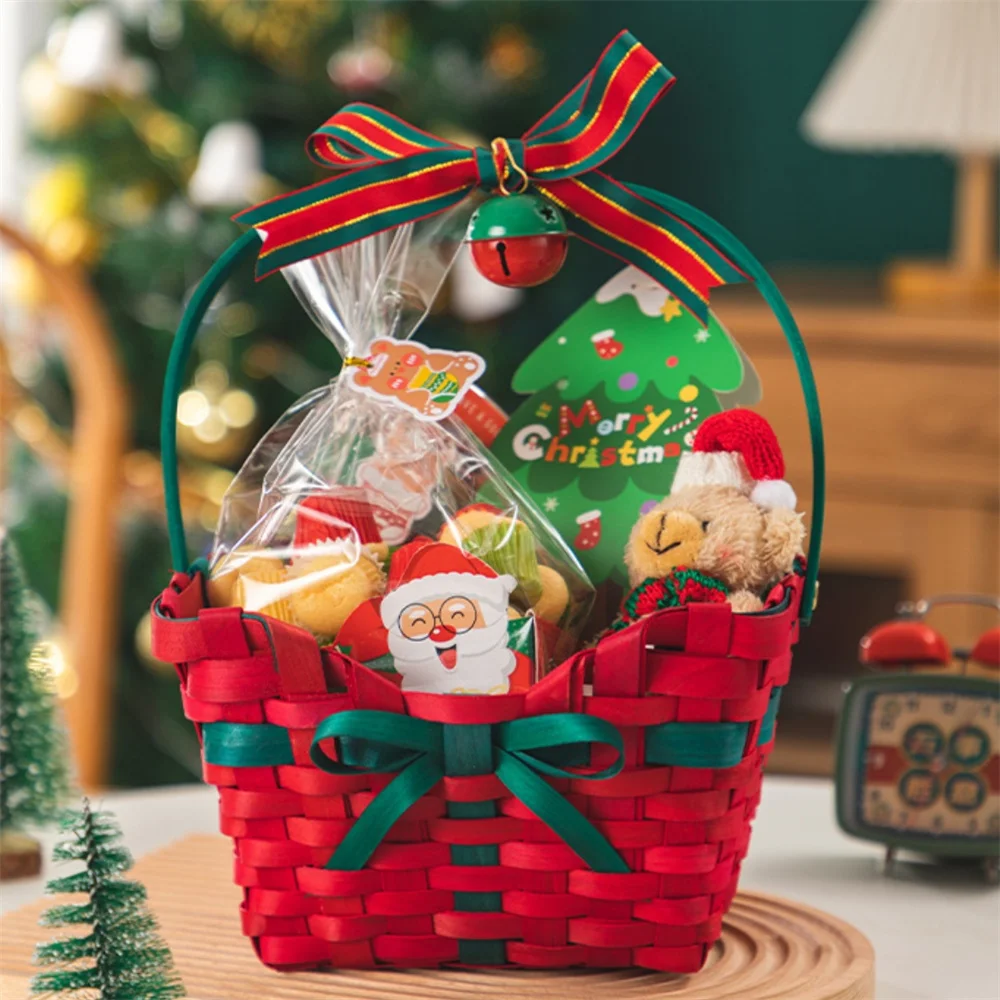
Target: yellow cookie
point(555, 595)
point(219, 588)
point(221, 585)
point(262, 570)
point(379, 551)
point(324, 603)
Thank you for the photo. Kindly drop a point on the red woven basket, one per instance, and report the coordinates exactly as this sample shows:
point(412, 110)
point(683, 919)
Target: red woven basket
point(597, 820)
point(693, 692)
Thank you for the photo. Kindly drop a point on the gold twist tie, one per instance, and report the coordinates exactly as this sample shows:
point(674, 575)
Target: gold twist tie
point(352, 362)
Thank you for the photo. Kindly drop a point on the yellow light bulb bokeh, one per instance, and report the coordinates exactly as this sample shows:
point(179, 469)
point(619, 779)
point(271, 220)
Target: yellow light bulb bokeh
point(214, 421)
point(193, 407)
point(22, 282)
point(49, 662)
point(238, 408)
point(51, 108)
point(59, 193)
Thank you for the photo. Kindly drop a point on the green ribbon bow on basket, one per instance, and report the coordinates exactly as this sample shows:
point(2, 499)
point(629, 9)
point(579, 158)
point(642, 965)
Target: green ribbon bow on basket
point(523, 750)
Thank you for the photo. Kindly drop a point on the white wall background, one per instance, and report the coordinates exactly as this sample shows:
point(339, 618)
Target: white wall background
point(22, 32)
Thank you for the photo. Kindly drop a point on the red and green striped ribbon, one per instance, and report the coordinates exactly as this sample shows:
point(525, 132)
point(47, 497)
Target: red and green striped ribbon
point(396, 174)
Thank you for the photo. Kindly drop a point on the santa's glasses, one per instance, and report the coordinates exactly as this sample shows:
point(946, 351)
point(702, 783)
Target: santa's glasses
point(455, 616)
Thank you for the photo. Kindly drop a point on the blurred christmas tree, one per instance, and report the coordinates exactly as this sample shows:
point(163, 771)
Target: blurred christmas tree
point(34, 763)
point(156, 120)
point(122, 957)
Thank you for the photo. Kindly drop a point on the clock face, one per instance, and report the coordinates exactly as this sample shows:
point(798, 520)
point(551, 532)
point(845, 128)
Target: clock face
point(920, 760)
point(932, 764)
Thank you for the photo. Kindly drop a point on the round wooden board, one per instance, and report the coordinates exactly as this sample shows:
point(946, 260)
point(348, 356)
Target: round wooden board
point(771, 949)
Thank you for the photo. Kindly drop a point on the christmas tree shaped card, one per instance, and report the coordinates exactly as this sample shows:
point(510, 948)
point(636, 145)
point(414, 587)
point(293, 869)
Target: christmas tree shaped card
point(616, 393)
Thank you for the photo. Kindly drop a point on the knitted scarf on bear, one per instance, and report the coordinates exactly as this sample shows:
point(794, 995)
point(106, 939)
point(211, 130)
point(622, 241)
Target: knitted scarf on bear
point(681, 586)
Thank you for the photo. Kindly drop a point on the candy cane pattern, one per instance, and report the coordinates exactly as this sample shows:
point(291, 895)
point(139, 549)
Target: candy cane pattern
point(690, 416)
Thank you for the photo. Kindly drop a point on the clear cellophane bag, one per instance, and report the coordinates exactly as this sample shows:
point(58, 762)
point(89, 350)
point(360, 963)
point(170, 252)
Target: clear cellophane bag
point(397, 538)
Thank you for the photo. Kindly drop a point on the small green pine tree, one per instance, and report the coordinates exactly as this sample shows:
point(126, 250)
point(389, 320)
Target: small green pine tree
point(122, 958)
point(34, 770)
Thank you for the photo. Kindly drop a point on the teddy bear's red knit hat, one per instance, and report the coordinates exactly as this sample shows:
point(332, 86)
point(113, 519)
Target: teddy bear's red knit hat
point(737, 448)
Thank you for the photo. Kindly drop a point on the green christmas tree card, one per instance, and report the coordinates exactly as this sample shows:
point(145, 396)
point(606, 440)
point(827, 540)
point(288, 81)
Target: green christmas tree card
point(616, 393)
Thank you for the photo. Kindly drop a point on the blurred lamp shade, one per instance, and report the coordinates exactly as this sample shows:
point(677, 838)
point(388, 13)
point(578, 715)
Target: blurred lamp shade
point(924, 76)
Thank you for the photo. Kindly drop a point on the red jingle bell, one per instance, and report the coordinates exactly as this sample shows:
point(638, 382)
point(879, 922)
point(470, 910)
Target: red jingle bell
point(518, 240)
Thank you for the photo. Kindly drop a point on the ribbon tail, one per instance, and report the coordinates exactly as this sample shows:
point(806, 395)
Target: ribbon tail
point(360, 134)
point(561, 815)
point(564, 112)
point(597, 117)
point(342, 210)
point(384, 809)
point(623, 222)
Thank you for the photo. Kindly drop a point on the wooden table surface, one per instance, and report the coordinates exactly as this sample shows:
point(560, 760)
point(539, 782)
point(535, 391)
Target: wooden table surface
point(935, 931)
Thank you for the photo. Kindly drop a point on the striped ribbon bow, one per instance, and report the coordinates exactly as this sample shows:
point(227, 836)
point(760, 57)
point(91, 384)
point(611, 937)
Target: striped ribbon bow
point(399, 174)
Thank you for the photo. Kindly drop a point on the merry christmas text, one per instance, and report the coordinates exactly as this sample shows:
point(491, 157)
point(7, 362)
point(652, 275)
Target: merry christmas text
point(529, 444)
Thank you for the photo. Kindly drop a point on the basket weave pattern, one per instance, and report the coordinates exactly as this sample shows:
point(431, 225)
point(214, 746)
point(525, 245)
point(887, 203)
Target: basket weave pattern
point(469, 875)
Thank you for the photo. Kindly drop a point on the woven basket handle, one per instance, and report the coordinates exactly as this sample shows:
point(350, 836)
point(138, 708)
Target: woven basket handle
point(247, 245)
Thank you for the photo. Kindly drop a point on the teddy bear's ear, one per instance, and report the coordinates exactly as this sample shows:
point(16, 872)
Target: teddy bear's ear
point(782, 539)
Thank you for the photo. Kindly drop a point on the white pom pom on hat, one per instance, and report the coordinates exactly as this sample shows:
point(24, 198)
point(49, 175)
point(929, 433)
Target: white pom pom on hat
point(737, 448)
point(772, 493)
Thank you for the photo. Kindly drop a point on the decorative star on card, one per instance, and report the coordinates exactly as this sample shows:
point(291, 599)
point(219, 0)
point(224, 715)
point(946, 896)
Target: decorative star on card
point(701, 336)
point(670, 309)
point(551, 504)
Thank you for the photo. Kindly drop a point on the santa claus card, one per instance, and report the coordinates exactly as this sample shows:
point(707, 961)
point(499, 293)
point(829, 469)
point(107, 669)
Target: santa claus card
point(444, 626)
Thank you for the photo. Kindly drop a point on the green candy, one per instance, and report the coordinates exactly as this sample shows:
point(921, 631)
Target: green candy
point(508, 547)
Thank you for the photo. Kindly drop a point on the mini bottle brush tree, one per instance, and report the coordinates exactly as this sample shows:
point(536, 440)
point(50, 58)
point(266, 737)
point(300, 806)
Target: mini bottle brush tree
point(34, 777)
point(122, 958)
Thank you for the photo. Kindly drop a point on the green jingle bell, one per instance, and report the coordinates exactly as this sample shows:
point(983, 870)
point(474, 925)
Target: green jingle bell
point(518, 240)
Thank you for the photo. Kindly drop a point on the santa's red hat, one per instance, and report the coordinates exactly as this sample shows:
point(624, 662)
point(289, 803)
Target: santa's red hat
point(737, 448)
point(440, 570)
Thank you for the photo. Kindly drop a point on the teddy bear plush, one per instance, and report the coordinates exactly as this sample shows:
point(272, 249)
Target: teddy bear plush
point(727, 530)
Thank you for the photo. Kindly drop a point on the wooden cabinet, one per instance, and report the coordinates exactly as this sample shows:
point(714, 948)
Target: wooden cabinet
point(911, 410)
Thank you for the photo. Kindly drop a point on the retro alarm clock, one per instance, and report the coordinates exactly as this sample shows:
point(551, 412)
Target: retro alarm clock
point(918, 751)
